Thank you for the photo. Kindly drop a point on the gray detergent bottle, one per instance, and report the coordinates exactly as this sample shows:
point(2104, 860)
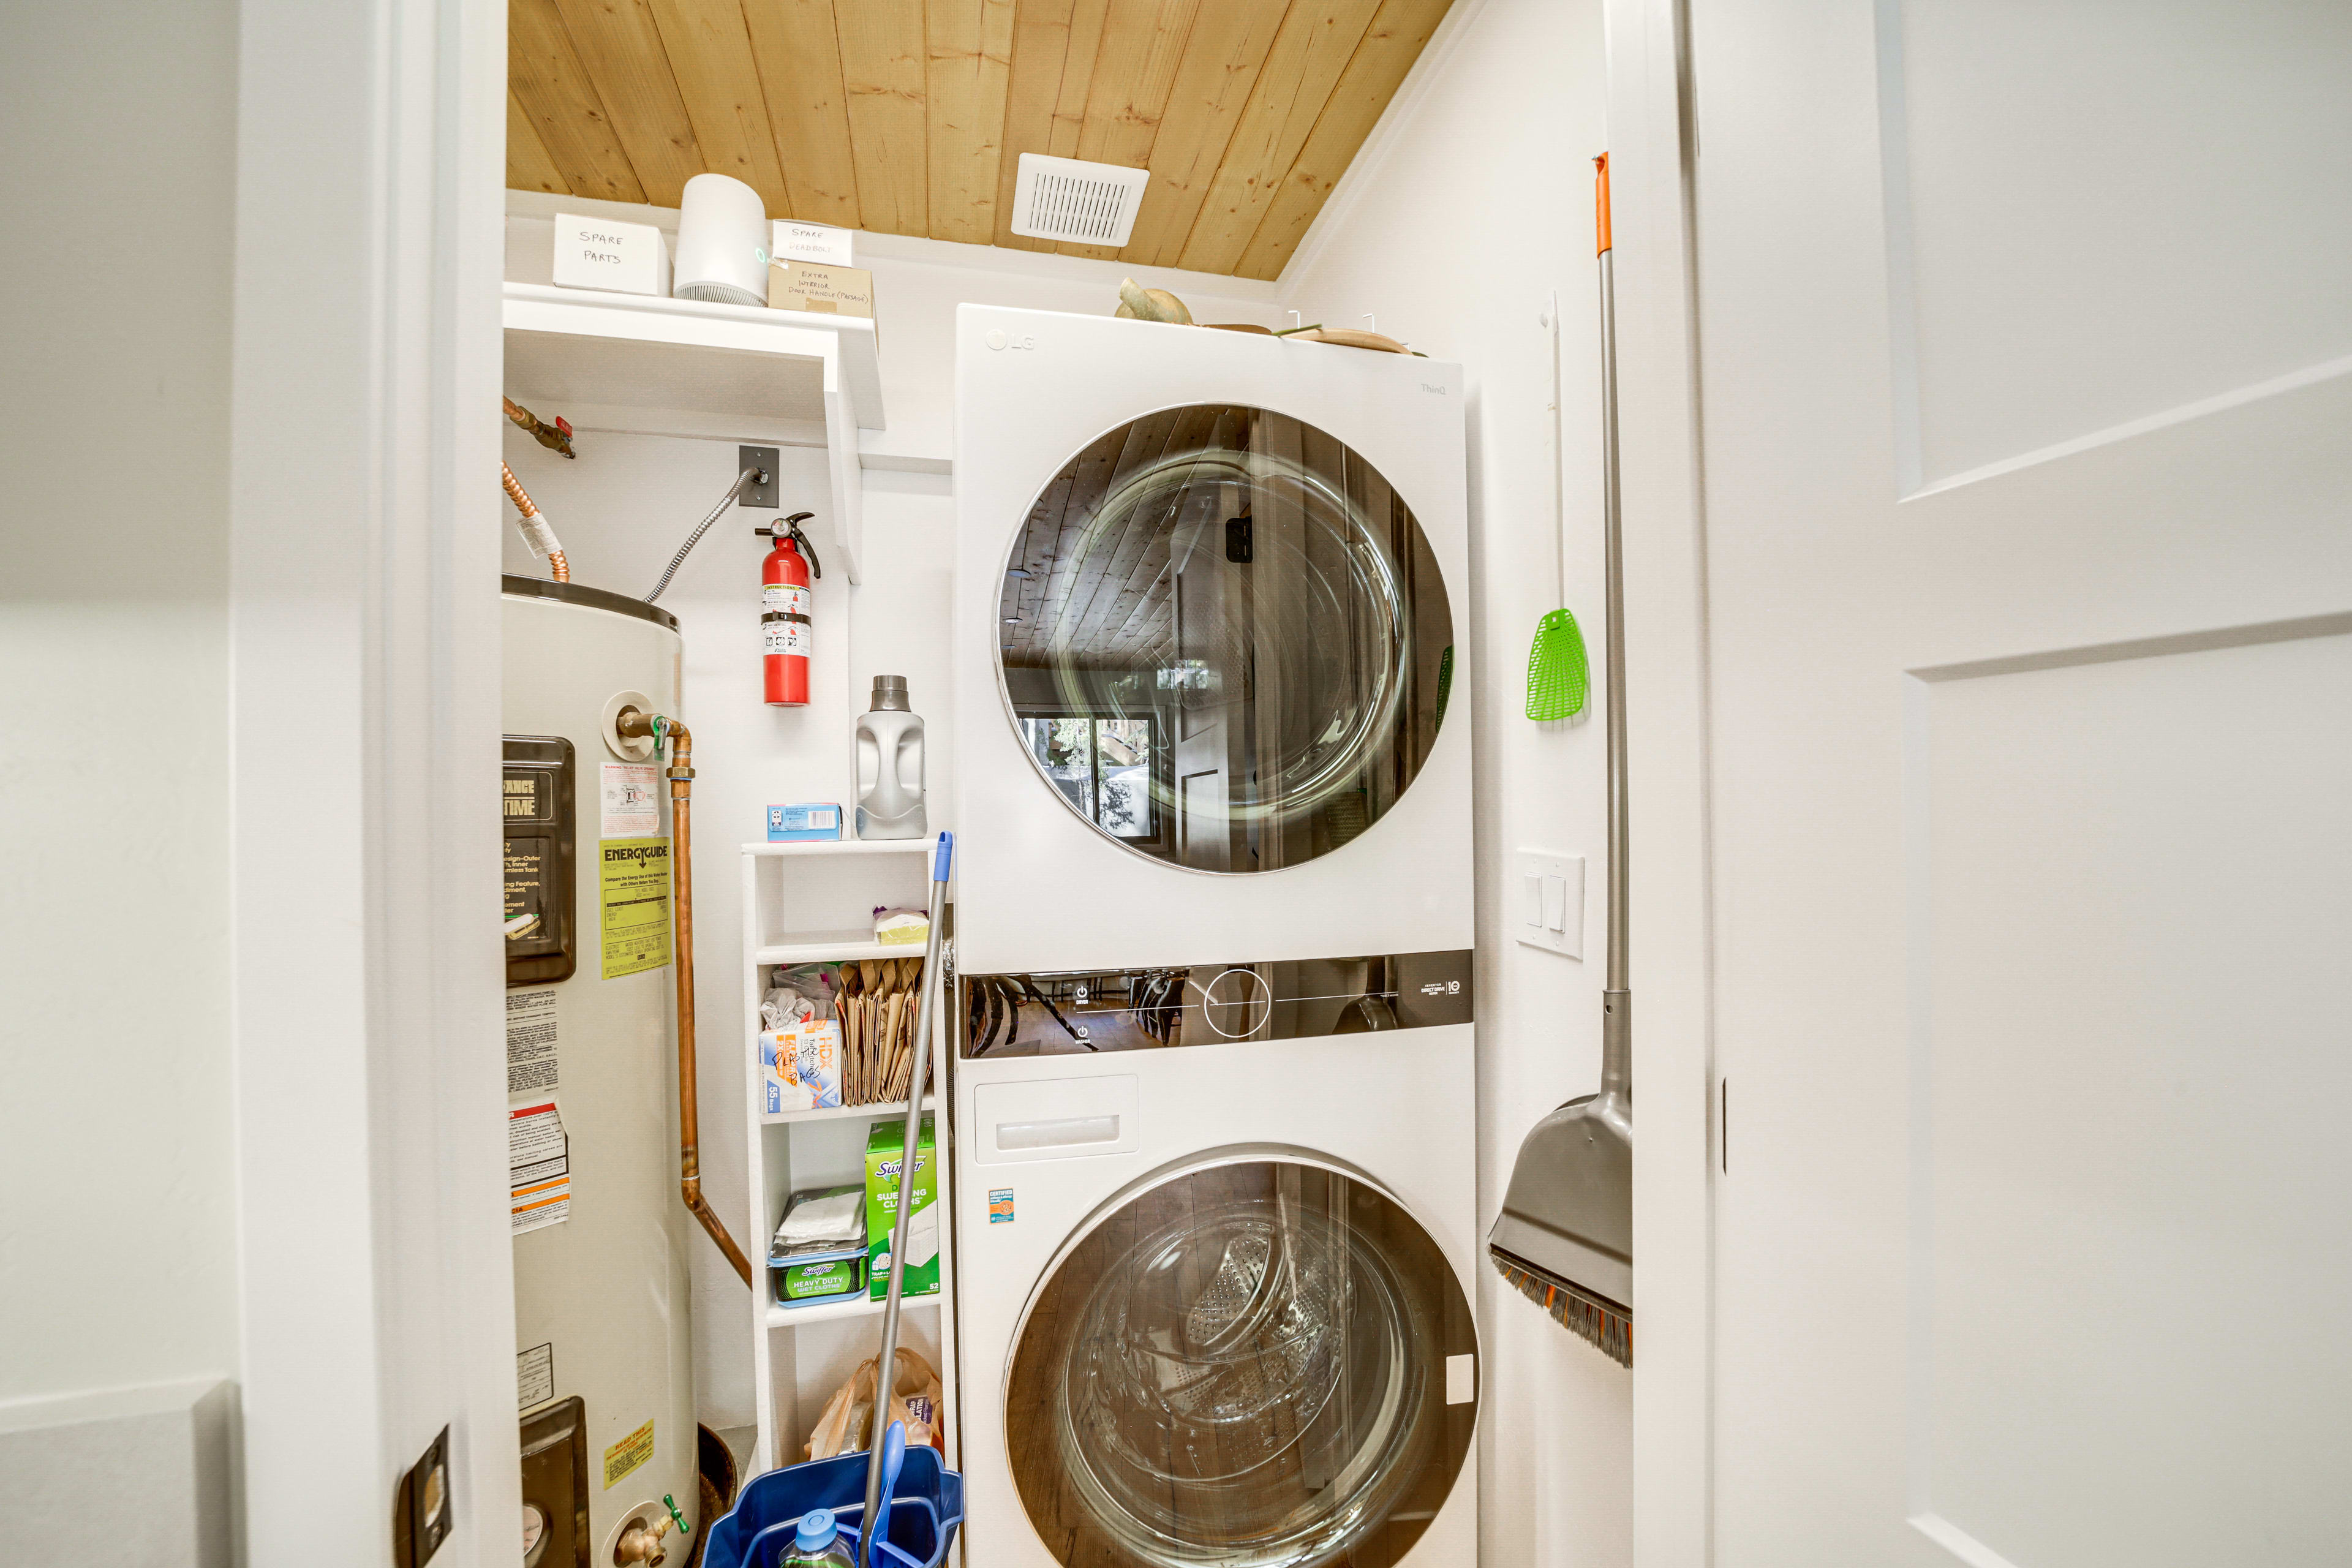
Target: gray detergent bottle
point(890, 765)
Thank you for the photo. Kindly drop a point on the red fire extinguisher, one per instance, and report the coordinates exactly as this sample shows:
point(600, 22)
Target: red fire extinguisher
point(786, 634)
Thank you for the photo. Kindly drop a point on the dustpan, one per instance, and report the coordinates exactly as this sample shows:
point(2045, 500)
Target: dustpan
point(1565, 1237)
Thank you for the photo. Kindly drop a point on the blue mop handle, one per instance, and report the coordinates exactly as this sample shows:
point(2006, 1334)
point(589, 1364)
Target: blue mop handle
point(944, 860)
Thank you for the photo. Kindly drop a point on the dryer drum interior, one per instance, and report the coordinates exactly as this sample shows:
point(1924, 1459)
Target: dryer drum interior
point(1224, 642)
point(1241, 1365)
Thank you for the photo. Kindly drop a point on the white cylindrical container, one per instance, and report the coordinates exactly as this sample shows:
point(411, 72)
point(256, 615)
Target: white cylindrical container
point(890, 765)
point(722, 238)
point(601, 1294)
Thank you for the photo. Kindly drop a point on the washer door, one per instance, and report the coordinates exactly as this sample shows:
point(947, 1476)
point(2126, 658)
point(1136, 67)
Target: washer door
point(1244, 1363)
point(1225, 643)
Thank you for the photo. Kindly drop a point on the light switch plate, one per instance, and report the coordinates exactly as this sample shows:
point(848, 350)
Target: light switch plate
point(1547, 901)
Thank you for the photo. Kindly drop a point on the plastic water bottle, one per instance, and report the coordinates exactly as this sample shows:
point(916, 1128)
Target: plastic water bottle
point(890, 765)
point(818, 1544)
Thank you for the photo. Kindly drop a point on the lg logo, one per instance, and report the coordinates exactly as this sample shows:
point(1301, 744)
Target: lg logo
point(1000, 338)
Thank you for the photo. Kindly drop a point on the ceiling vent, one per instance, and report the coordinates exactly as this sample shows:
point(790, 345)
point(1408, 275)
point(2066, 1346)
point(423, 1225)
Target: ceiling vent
point(1085, 204)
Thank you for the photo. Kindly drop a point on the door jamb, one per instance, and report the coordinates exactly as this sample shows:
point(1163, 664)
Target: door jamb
point(373, 1261)
point(1652, 148)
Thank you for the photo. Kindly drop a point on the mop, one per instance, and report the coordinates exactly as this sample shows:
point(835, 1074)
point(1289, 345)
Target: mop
point(1565, 1237)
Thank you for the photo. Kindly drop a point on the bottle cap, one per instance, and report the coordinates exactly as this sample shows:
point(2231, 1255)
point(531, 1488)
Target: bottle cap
point(817, 1530)
point(890, 695)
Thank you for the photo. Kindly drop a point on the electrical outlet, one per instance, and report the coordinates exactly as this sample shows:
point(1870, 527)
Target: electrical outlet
point(1546, 908)
point(763, 458)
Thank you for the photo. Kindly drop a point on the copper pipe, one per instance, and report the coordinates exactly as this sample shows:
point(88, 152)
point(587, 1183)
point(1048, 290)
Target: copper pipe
point(689, 1132)
point(557, 566)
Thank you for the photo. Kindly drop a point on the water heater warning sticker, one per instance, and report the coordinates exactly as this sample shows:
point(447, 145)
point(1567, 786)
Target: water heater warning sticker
point(632, 901)
point(627, 1455)
point(539, 1167)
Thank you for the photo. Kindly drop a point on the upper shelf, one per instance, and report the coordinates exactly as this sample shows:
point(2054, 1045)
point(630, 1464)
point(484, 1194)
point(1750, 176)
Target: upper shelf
point(666, 357)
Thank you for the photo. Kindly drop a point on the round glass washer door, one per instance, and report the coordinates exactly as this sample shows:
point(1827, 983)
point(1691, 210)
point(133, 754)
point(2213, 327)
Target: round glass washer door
point(1241, 1365)
point(1225, 643)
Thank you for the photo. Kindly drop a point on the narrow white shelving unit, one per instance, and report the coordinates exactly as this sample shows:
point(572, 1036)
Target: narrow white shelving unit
point(654, 366)
point(812, 903)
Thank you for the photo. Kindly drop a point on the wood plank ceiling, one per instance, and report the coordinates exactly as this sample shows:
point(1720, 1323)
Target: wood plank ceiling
point(909, 116)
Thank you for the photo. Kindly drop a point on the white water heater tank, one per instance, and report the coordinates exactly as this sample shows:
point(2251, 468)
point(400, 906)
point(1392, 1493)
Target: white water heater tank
point(601, 1236)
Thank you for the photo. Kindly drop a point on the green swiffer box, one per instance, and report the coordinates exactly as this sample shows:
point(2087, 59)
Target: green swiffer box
point(883, 1159)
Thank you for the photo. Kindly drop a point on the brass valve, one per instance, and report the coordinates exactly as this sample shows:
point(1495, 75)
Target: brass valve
point(641, 1542)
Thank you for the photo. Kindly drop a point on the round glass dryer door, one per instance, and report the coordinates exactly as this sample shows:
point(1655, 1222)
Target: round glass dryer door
point(1224, 641)
point(1243, 1365)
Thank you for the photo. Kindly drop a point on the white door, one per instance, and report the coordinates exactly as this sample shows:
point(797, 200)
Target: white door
point(2025, 333)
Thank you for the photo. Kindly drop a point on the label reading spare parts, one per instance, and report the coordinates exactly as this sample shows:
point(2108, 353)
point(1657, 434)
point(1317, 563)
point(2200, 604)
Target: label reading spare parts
point(632, 800)
point(535, 1375)
point(539, 1167)
point(633, 904)
point(627, 1455)
point(531, 1042)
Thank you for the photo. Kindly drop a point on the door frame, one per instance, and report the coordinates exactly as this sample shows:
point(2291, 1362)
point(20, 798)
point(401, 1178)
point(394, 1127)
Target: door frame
point(374, 1267)
point(1651, 157)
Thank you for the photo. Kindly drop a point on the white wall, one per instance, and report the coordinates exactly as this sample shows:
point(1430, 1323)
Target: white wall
point(116, 1219)
point(1471, 205)
point(116, 128)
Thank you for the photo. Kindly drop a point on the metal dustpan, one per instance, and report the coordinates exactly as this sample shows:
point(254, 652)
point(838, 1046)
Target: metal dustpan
point(1565, 1237)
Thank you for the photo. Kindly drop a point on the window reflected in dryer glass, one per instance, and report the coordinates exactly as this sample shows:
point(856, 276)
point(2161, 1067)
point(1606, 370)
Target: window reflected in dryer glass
point(1225, 643)
point(1243, 1366)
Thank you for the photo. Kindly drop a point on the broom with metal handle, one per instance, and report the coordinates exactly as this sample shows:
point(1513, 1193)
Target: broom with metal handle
point(910, 1151)
point(1565, 1237)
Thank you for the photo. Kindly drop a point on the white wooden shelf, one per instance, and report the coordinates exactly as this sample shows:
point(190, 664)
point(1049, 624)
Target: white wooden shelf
point(833, 1311)
point(799, 1151)
point(880, 1110)
point(647, 365)
point(844, 846)
point(826, 946)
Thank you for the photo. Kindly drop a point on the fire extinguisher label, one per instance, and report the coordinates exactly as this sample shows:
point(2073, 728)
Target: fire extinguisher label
point(786, 636)
point(783, 599)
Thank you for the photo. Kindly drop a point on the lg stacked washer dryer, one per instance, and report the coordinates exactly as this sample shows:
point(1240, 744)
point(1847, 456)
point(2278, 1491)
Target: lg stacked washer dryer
point(1213, 1022)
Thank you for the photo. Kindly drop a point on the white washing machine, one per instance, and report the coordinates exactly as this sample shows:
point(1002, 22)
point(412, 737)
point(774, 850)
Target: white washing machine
point(1213, 1128)
point(1203, 629)
point(1215, 1300)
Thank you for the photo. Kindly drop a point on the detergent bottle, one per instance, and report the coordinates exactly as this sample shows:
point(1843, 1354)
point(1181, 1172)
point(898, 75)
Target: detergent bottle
point(890, 765)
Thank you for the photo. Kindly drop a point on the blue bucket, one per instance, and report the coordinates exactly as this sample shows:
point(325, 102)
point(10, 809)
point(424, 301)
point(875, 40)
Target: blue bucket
point(918, 1522)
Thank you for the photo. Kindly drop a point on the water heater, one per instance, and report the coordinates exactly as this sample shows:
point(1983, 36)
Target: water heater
point(604, 1360)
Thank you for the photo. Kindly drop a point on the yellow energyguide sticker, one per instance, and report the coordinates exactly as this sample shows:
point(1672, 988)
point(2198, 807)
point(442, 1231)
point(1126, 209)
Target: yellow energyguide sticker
point(624, 1457)
point(632, 901)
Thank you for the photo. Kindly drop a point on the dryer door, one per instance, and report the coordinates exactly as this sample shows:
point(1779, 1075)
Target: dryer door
point(1244, 1363)
point(1224, 640)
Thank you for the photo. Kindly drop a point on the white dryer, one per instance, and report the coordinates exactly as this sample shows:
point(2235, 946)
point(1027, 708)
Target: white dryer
point(1205, 648)
point(1216, 1300)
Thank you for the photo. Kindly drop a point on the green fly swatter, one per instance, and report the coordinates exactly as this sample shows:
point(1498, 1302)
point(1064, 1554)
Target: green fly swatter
point(1558, 673)
point(1558, 676)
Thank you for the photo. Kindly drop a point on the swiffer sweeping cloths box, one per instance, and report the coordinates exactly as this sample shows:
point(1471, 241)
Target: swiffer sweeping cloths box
point(882, 1150)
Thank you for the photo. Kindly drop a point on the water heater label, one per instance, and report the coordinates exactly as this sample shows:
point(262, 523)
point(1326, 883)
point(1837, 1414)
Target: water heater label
point(628, 1455)
point(535, 1375)
point(531, 1042)
point(632, 800)
point(633, 904)
point(785, 636)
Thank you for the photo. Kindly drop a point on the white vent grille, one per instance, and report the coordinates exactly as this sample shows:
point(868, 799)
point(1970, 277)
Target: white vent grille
point(1089, 204)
